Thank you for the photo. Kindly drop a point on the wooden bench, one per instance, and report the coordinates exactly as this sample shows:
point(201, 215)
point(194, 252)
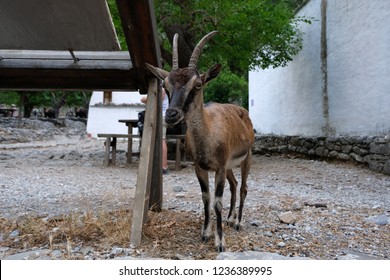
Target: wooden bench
point(110, 147)
point(178, 151)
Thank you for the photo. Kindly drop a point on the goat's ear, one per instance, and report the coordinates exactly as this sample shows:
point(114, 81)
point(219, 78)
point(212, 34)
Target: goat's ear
point(158, 72)
point(211, 73)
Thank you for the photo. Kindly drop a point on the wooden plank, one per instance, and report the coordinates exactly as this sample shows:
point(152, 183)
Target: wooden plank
point(119, 135)
point(64, 60)
point(107, 144)
point(141, 200)
point(113, 151)
point(176, 136)
point(82, 55)
point(178, 155)
point(67, 79)
point(155, 201)
point(140, 29)
point(56, 25)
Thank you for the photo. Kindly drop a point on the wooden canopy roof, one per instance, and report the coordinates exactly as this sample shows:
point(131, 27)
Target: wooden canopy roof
point(72, 45)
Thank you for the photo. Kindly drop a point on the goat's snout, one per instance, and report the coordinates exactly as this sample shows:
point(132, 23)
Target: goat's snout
point(173, 116)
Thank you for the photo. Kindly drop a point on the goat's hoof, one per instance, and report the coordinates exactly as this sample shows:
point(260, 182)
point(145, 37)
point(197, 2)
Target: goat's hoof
point(205, 239)
point(220, 248)
point(237, 227)
point(229, 223)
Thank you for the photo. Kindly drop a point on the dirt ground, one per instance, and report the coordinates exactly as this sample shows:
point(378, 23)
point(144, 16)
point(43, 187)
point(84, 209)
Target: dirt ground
point(57, 195)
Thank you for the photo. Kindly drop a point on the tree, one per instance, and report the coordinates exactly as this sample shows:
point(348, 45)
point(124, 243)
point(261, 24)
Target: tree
point(253, 33)
point(27, 100)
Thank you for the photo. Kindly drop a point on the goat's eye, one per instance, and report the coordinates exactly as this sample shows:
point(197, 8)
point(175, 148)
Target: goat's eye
point(167, 93)
point(198, 85)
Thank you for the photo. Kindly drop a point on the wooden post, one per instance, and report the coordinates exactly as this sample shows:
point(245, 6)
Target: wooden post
point(129, 144)
point(107, 144)
point(141, 200)
point(178, 155)
point(155, 202)
point(113, 151)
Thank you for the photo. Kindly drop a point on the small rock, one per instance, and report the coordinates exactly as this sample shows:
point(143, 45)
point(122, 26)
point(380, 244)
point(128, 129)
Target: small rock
point(76, 249)
point(4, 249)
point(178, 189)
point(55, 229)
point(86, 250)
point(251, 255)
point(274, 207)
point(116, 251)
point(268, 234)
point(255, 223)
point(296, 206)
point(351, 255)
point(378, 219)
point(285, 237)
point(29, 255)
point(14, 234)
point(56, 254)
point(281, 244)
point(287, 217)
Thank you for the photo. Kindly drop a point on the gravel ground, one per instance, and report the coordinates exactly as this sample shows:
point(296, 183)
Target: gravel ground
point(295, 207)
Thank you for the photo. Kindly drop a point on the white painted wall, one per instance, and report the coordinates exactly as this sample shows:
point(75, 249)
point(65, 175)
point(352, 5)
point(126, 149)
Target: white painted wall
point(104, 119)
point(359, 63)
point(289, 100)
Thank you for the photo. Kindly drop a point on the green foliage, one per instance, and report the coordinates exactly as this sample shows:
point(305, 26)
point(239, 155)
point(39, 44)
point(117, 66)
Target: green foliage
point(227, 88)
point(252, 33)
point(54, 99)
point(9, 97)
point(117, 23)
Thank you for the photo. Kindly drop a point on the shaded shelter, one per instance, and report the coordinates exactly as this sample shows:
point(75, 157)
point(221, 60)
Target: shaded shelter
point(72, 45)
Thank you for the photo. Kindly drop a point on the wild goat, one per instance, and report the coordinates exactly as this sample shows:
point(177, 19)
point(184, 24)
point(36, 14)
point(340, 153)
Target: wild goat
point(219, 136)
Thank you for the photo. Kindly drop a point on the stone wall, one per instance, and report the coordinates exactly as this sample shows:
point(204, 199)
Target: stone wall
point(373, 151)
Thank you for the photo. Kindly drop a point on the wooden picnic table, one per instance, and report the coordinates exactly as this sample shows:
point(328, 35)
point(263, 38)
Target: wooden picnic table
point(111, 141)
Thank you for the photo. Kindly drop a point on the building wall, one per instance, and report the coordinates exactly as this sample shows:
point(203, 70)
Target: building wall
point(103, 118)
point(345, 93)
point(358, 66)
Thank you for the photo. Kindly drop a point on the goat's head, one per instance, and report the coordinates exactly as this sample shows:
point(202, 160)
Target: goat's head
point(184, 86)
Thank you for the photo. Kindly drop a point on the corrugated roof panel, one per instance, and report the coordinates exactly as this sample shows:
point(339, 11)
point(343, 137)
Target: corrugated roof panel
point(81, 25)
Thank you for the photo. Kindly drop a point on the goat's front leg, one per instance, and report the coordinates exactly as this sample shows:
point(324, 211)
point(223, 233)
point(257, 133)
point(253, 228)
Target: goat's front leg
point(220, 178)
point(203, 178)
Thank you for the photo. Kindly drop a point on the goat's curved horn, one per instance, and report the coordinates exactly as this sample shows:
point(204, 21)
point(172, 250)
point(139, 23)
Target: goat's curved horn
point(175, 57)
point(198, 49)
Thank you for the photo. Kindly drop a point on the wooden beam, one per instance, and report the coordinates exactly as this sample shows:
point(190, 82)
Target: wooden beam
point(66, 79)
point(140, 29)
point(26, 59)
point(141, 200)
point(57, 70)
point(156, 189)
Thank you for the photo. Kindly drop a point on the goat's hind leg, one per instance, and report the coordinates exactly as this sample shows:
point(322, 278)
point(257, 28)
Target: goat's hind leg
point(203, 178)
point(245, 167)
point(233, 194)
